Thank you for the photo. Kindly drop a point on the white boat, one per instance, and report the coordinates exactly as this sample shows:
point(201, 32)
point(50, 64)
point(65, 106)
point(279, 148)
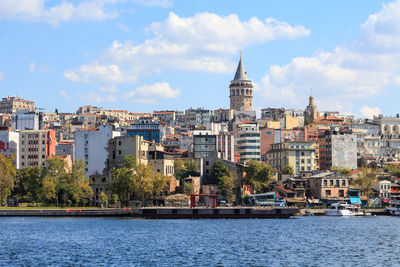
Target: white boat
point(344, 209)
point(394, 208)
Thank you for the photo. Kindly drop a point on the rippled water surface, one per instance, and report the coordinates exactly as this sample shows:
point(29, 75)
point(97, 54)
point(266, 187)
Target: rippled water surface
point(304, 241)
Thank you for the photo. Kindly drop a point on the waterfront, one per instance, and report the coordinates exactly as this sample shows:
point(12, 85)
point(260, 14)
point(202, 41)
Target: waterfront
point(303, 241)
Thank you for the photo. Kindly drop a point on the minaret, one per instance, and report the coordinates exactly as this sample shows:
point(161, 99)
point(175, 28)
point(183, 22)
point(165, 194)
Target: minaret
point(241, 89)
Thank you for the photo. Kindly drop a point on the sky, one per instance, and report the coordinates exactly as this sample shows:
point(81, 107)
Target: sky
point(145, 55)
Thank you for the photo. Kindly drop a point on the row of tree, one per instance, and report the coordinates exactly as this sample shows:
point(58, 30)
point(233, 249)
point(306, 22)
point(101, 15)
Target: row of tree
point(54, 183)
point(137, 182)
point(258, 176)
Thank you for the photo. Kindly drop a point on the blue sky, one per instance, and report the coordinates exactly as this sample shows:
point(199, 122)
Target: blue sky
point(163, 54)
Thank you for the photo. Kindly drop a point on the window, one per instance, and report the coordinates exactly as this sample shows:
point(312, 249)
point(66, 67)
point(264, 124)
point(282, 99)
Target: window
point(337, 183)
point(328, 192)
point(341, 193)
point(331, 182)
point(343, 182)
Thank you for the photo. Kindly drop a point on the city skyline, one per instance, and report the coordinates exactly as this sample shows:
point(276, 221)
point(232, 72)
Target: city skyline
point(153, 55)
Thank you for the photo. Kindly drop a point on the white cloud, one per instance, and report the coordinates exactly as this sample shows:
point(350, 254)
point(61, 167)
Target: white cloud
point(370, 112)
point(162, 90)
point(93, 97)
point(97, 73)
point(40, 11)
point(148, 94)
point(159, 3)
point(123, 27)
point(109, 89)
point(362, 69)
point(64, 94)
point(36, 11)
point(204, 42)
point(32, 66)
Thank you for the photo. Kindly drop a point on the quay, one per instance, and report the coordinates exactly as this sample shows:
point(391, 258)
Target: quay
point(159, 213)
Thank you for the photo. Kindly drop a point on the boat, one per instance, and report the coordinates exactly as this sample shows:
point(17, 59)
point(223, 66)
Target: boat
point(394, 206)
point(345, 209)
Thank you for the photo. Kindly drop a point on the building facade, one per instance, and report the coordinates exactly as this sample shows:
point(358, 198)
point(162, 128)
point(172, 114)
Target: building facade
point(9, 145)
point(248, 141)
point(35, 147)
point(13, 104)
point(300, 155)
point(91, 146)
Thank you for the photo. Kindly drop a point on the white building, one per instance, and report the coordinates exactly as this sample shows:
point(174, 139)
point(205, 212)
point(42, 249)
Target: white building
point(23, 120)
point(383, 188)
point(9, 145)
point(91, 146)
point(248, 141)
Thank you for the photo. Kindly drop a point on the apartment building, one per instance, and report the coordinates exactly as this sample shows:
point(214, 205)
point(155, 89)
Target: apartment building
point(35, 146)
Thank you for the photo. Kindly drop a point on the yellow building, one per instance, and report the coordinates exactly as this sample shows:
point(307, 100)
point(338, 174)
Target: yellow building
point(300, 155)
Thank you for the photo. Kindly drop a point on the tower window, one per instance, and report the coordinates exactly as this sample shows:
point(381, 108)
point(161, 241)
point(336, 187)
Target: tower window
point(242, 92)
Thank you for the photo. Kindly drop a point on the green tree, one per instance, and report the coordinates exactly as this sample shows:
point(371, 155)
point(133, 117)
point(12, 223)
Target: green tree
point(179, 165)
point(129, 161)
point(226, 185)
point(287, 169)
point(188, 188)
point(366, 181)
point(218, 170)
point(393, 170)
point(103, 198)
point(29, 184)
point(123, 184)
point(258, 175)
point(185, 168)
point(191, 166)
point(225, 179)
point(342, 171)
point(7, 176)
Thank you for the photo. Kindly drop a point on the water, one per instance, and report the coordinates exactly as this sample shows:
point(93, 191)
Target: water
point(304, 241)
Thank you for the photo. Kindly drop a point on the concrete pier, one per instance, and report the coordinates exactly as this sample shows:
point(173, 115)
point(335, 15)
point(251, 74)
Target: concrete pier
point(159, 213)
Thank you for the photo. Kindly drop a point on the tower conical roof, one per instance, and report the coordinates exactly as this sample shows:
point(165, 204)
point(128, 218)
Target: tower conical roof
point(241, 73)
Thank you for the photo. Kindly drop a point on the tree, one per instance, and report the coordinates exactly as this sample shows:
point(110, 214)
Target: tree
point(129, 161)
point(393, 170)
point(191, 166)
point(258, 175)
point(188, 188)
point(29, 184)
point(123, 184)
point(287, 169)
point(183, 169)
point(342, 171)
point(225, 180)
point(103, 198)
point(366, 181)
point(7, 176)
point(226, 185)
point(179, 165)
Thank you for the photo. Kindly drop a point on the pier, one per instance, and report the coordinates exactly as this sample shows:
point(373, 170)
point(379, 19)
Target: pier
point(159, 213)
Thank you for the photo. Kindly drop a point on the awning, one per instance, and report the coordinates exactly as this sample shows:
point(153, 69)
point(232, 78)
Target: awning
point(355, 200)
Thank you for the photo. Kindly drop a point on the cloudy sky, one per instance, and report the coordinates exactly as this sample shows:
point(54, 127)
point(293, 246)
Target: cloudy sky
point(145, 55)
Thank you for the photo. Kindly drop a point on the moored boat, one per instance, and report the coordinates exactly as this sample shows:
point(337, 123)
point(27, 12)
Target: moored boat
point(344, 209)
point(394, 206)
